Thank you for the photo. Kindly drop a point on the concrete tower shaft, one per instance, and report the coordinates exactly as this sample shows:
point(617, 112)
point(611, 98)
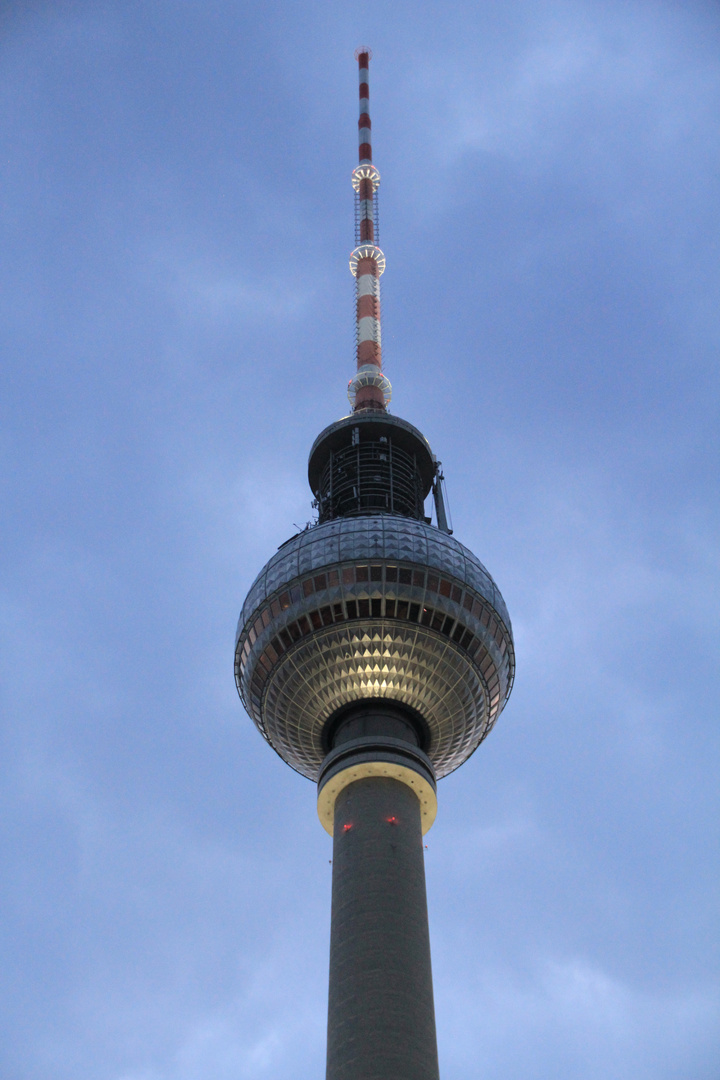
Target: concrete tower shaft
point(381, 1017)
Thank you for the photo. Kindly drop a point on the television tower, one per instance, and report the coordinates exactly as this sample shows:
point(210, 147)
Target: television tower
point(374, 652)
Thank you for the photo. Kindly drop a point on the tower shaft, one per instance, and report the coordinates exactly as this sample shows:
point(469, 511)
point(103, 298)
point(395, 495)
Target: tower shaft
point(381, 1020)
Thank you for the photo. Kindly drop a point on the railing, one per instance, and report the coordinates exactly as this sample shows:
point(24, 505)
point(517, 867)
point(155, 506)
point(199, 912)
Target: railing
point(371, 477)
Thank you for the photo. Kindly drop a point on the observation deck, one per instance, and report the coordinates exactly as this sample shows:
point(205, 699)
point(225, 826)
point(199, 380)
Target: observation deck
point(373, 606)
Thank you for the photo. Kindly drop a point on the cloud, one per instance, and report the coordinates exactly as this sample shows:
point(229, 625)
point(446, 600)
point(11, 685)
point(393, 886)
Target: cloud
point(568, 1017)
point(203, 290)
point(174, 280)
point(608, 104)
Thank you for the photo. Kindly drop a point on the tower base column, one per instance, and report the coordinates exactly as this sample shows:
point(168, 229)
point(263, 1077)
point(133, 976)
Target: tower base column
point(381, 1017)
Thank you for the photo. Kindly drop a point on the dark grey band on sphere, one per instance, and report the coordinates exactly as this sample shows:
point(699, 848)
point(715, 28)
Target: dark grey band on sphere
point(381, 1018)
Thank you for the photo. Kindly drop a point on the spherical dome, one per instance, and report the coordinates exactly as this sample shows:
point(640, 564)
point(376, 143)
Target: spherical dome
point(379, 606)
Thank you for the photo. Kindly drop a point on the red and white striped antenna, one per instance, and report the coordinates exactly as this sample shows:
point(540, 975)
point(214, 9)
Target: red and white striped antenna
point(369, 389)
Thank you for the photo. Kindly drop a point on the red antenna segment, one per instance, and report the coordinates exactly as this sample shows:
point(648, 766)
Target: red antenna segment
point(369, 389)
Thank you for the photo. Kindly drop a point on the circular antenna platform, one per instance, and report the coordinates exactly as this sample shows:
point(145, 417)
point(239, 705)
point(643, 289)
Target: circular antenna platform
point(369, 375)
point(367, 251)
point(365, 172)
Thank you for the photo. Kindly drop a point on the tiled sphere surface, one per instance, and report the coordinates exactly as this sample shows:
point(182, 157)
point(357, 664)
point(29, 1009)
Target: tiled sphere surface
point(374, 607)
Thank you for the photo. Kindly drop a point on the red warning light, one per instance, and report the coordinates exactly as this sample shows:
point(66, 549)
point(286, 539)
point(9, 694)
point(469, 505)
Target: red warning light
point(392, 821)
point(347, 828)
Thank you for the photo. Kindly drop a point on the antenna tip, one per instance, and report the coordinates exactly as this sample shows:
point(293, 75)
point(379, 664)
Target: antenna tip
point(363, 50)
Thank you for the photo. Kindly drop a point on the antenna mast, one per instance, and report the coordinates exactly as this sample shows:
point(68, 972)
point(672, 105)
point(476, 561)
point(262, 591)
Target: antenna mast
point(369, 389)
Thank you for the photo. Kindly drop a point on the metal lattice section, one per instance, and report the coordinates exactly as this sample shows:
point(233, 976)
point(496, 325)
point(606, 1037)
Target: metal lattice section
point(359, 211)
point(372, 477)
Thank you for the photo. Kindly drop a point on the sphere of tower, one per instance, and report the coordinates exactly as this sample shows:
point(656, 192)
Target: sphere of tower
point(374, 606)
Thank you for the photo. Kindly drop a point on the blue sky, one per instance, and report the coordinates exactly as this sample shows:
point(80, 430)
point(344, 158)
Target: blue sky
point(176, 326)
